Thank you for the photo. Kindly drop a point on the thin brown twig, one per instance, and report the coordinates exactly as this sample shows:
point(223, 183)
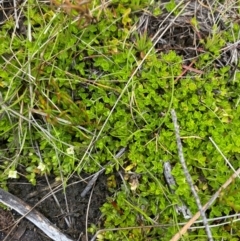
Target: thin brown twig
point(192, 69)
point(186, 68)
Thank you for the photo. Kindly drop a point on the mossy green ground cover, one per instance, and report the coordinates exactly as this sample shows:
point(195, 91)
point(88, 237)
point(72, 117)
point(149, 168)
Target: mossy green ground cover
point(83, 93)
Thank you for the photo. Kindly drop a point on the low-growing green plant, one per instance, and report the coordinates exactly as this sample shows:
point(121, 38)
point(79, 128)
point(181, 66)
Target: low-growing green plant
point(59, 85)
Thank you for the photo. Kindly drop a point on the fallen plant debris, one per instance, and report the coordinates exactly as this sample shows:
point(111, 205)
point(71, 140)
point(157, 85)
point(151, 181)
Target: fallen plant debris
point(180, 208)
point(40, 198)
point(188, 176)
point(34, 216)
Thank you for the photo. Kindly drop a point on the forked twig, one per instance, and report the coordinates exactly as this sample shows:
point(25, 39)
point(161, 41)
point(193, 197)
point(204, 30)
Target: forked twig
point(187, 175)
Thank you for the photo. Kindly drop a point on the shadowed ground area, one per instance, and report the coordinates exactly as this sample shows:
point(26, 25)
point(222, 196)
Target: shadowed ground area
point(69, 214)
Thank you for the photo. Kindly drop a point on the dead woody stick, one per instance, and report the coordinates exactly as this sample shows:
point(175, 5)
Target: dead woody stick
point(32, 215)
point(187, 175)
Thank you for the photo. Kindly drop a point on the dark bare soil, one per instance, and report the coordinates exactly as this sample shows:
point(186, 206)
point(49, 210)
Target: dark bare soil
point(75, 213)
point(68, 211)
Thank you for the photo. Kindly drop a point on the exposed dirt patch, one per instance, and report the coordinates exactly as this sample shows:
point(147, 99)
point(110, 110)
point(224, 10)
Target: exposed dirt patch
point(70, 216)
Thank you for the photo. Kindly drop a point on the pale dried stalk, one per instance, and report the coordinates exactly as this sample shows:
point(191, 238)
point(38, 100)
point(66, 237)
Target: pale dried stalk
point(184, 229)
point(187, 175)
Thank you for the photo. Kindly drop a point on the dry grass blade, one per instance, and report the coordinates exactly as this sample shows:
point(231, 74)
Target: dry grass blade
point(218, 149)
point(205, 207)
point(157, 37)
